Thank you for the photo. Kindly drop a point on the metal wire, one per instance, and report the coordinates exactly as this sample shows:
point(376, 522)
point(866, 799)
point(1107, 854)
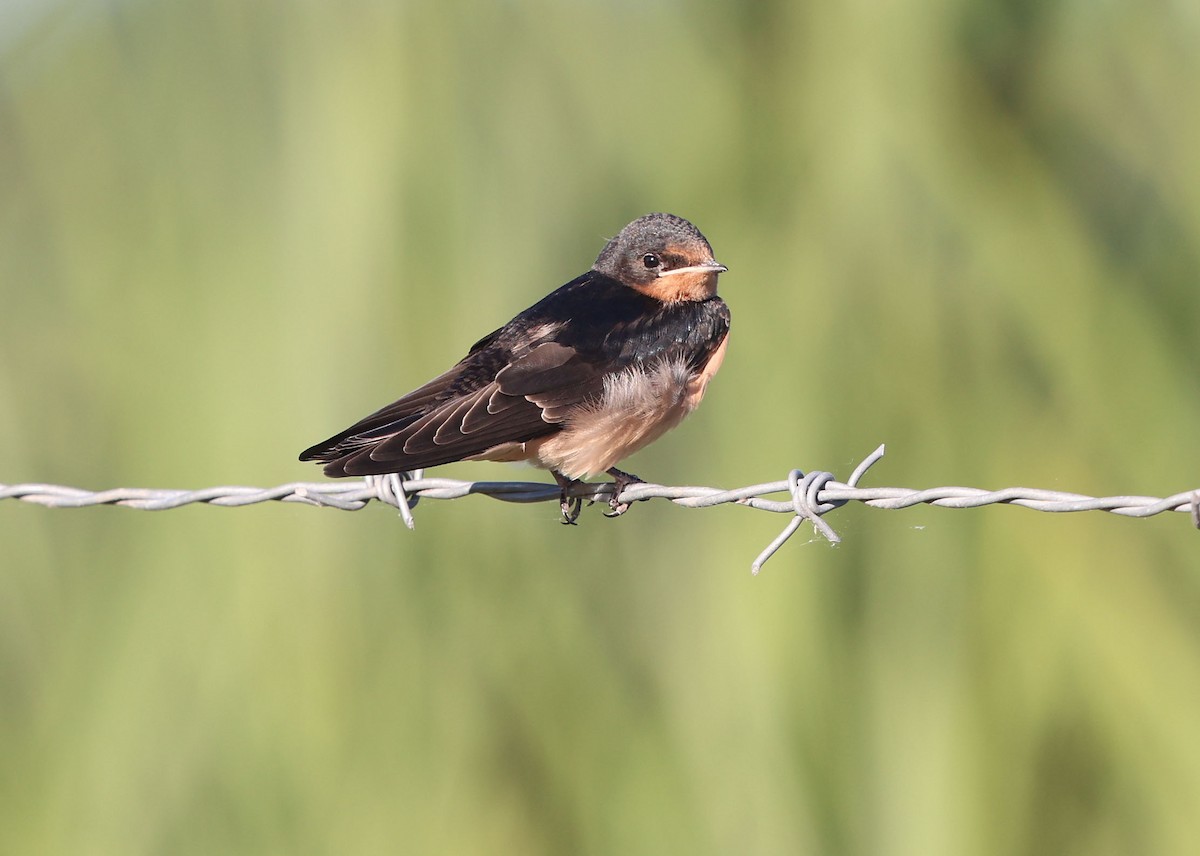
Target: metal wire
point(810, 497)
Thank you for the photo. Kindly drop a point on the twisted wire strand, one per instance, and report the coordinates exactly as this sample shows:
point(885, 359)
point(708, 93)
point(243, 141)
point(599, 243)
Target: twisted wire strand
point(809, 497)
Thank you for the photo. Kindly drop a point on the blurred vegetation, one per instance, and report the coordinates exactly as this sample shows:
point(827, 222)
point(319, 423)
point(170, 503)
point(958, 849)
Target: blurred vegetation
point(969, 229)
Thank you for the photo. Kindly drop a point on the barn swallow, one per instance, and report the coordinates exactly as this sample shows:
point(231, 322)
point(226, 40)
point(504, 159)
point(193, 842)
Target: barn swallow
point(582, 379)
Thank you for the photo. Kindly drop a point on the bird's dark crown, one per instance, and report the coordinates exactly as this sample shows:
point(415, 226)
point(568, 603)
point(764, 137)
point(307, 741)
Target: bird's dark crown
point(652, 246)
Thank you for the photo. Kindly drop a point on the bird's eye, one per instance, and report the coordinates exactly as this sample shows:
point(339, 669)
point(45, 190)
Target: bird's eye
point(650, 260)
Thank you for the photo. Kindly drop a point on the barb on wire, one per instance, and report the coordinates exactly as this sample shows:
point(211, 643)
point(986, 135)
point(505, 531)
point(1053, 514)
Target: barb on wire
point(809, 497)
point(806, 492)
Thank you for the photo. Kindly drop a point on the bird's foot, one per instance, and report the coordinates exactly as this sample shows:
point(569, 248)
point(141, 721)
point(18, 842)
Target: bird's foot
point(621, 480)
point(569, 505)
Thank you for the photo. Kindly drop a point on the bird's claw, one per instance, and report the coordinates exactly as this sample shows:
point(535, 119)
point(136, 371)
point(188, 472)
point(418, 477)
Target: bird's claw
point(621, 480)
point(570, 506)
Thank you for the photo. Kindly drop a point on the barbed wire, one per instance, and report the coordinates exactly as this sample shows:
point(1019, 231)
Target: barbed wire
point(811, 495)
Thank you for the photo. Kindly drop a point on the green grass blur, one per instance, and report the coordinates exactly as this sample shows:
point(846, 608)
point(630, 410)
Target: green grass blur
point(969, 229)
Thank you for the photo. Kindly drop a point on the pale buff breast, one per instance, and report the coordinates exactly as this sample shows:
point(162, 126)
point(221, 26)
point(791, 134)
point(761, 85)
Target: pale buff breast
point(638, 407)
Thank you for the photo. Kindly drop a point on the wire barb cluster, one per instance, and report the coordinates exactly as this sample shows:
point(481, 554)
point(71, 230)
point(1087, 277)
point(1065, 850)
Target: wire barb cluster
point(809, 497)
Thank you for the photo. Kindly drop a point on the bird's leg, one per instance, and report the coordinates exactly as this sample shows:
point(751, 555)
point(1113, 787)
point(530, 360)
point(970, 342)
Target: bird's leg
point(570, 505)
point(621, 480)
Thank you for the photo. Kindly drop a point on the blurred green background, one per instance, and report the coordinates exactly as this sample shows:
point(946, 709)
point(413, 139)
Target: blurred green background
point(968, 229)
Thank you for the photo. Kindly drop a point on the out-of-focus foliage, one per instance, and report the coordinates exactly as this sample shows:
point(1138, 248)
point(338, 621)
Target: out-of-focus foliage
point(968, 229)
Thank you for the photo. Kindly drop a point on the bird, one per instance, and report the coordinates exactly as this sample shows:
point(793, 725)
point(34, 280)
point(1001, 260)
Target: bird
point(588, 375)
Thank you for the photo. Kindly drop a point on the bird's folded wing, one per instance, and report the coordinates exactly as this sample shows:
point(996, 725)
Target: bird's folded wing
point(528, 398)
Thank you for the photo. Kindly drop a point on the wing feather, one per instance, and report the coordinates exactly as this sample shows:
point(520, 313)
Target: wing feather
point(385, 421)
point(529, 397)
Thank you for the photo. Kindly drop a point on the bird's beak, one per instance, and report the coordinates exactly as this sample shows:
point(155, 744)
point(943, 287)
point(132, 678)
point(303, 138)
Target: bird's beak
point(710, 266)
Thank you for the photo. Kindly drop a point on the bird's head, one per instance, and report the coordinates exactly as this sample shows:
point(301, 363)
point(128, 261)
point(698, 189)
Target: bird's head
point(663, 256)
